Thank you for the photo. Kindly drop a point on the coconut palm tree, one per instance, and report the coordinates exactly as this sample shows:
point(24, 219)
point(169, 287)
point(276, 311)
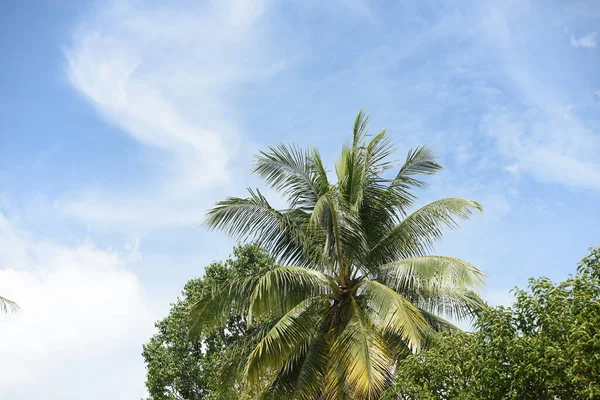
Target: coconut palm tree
point(357, 287)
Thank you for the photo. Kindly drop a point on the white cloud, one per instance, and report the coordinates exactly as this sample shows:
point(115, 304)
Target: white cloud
point(162, 76)
point(587, 41)
point(82, 321)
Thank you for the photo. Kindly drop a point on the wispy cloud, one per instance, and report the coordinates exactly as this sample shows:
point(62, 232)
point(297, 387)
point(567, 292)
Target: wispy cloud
point(162, 76)
point(551, 149)
point(540, 134)
point(586, 41)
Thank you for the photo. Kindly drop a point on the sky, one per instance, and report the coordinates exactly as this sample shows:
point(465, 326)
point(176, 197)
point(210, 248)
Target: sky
point(122, 122)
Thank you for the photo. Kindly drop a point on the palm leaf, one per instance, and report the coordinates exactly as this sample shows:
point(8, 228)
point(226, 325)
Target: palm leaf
point(374, 163)
point(442, 285)
point(456, 303)
point(289, 338)
point(418, 232)
point(393, 313)
point(282, 288)
point(360, 352)
point(321, 180)
point(420, 161)
point(236, 355)
point(418, 272)
point(7, 305)
point(342, 227)
point(360, 128)
point(437, 323)
point(283, 234)
point(313, 371)
point(334, 386)
point(220, 301)
point(292, 172)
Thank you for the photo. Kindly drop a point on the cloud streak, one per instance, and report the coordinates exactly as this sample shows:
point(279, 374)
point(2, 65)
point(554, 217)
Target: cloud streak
point(539, 135)
point(162, 75)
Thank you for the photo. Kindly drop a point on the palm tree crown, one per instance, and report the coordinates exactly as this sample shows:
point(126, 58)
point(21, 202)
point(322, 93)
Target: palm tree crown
point(357, 287)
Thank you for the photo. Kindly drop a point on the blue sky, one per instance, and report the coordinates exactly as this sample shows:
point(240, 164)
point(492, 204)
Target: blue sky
point(122, 122)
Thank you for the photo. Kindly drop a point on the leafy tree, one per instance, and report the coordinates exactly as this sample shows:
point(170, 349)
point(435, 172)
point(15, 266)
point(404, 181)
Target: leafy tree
point(185, 367)
point(546, 346)
point(358, 287)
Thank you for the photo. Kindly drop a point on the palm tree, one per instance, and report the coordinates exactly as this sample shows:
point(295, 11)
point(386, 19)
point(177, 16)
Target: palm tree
point(357, 288)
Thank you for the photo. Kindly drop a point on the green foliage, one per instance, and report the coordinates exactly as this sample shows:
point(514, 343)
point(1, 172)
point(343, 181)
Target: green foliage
point(358, 287)
point(191, 367)
point(545, 346)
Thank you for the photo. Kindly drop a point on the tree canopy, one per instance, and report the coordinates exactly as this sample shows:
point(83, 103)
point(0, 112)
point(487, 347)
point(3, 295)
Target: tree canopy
point(181, 366)
point(545, 346)
point(357, 286)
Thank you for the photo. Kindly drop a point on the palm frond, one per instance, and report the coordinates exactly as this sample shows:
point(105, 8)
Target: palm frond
point(282, 288)
point(321, 180)
point(302, 379)
point(437, 323)
point(429, 271)
point(334, 386)
point(373, 163)
point(292, 172)
point(419, 161)
point(313, 371)
point(393, 313)
point(283, 234)
point(349, 173)
point(289, 338)
point(282, 382)
point(350, 166)
point(323, 218)
point(359, 130)
point(360, 352)
point(397, 197)
point(418, 232)
point(236, 355)
point(220, 301)
point(342, 227)
point(456, 303)
point(442, 285)
point(7, 305)
point(376, 156)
